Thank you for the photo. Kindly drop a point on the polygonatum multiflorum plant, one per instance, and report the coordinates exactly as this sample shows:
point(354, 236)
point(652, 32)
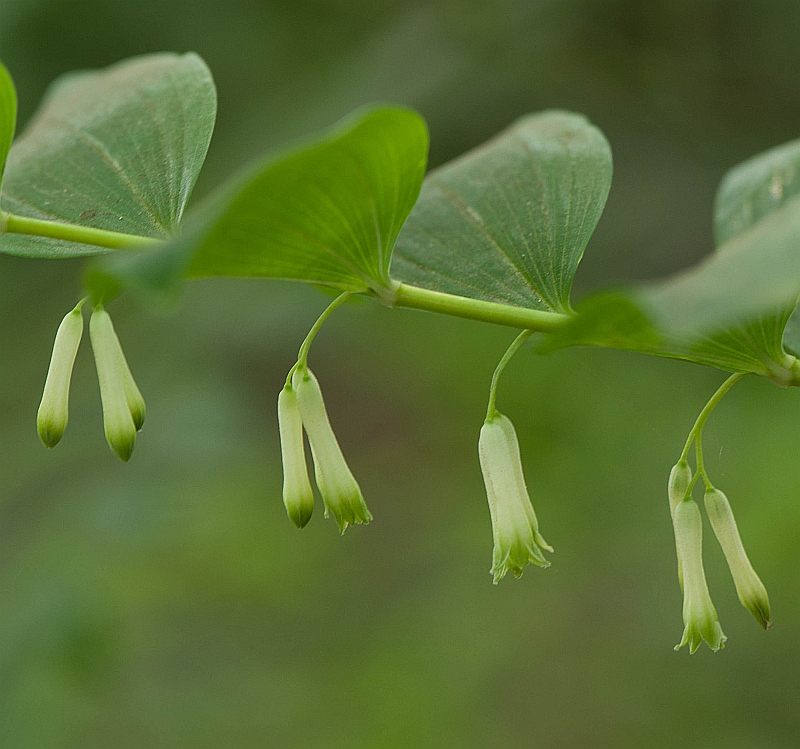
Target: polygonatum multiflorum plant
point(105, 170)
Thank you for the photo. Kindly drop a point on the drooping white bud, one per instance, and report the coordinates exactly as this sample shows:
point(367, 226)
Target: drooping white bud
point(53, 415)
point(298, 496)
point(699, 615)
point(680, 477)
point(340, 492)
point(133, 395)
point(515, 527)
point(749, 588)
point(118, 421)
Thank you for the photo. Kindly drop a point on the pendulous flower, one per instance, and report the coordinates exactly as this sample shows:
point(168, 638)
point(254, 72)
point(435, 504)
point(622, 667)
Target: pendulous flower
point(749, 588)
point(680, 477)
point(340, 492)
point(699, 615)
point(53, 415)
point(515, 528)
point(298, 496)
point(123, 406)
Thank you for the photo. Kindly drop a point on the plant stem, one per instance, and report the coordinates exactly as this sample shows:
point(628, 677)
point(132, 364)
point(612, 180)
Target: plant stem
point(696, 434)
point(475, 309)
point(302, 356)
point(491, 410)
point(110, 240)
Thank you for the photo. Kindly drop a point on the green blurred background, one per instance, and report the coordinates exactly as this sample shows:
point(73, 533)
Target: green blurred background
point(170, 603)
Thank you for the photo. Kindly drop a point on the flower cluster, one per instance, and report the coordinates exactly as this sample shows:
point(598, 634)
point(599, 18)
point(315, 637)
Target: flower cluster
point(301, 407)
point(123, 405)
point(699, 615)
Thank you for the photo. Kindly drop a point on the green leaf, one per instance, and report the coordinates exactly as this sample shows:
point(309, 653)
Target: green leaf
point(328, 213)
point(729, 311)
point(8, 116)
point(117, 149)
point(509, 221)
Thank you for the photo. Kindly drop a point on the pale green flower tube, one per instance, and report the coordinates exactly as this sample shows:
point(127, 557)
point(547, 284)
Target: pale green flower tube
point(132, 393)
point(340, 491)
point(53, 415)
point(118, 421)
point(298, 496)
point(515, 528)
point(679, 479)
point(699, 615)
point(749, 588)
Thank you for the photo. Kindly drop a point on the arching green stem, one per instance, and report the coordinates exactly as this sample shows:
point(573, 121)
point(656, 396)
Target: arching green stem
point(302, 355)
point(491, 411)
point(476, 309)
point(110, 240)
point(696, 435)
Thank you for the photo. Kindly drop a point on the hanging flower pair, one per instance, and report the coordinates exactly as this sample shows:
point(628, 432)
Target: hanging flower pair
point(123, 405)
point(700, 619)
point(301, 407)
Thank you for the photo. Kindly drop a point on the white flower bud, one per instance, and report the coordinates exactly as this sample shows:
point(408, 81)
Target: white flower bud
point(297, 494)
point(679, 479)
point(53, 415)
point(118, 422)
point(699, 615)
point(515, 527)
point(749, 588)
point(340, 491)
point(132, 394)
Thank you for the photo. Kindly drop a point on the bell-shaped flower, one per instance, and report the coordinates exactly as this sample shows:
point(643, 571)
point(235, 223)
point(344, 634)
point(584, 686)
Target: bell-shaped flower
point(515, 528)
point(53, 415)
point(340, 491)
point(120, 396)
point(298, 496)
point(680, 477)
point(749, 588)
point(699, 615)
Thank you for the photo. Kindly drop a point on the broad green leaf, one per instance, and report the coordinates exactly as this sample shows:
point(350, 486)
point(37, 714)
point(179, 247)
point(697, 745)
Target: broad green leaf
point(508, 222)
point(328, 213)
point(117, 149)
point(756, 188)
point(730, 310)
point(8, 116)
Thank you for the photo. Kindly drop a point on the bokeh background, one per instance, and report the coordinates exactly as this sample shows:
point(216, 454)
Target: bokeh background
point(170, 603)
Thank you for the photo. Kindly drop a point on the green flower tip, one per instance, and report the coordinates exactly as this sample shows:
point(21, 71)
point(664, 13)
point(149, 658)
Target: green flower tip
point(340, 491)
point(298, 497)
point(53, 414)
point(515, 527)
point(699, 615)
point(123, 405)
point(679, 479)
point(751, 591)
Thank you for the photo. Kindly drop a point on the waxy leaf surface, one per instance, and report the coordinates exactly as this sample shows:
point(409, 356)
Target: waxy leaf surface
point(326, 213)
point(731, 309)
point(508, 222)
point(117, 149)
